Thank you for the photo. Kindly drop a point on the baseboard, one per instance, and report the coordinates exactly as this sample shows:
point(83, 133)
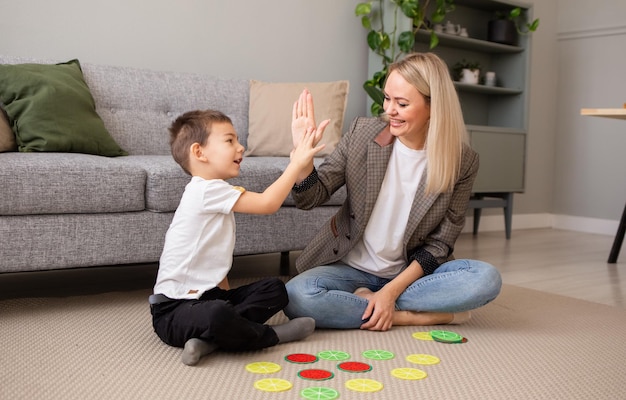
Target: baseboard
point(495, 223)
point(588, 225)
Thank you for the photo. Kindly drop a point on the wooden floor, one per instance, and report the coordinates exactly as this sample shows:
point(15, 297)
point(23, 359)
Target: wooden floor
point(569, 263)
point(557, 261)
point(563, 262)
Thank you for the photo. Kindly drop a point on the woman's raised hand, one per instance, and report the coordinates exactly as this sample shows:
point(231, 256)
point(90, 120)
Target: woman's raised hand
point(303, 118)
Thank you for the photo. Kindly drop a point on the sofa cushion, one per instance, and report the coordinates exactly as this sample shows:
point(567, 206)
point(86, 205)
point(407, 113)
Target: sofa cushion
point(165, 180)
point(139, 105)
point(51, 109)
point(57, 183)
point(7, 137)
point(270, 115)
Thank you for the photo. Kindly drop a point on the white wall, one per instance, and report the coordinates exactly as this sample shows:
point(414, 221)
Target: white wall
point(271, 40)
point(590, 170)
point(542, 123)
point(575, 165)
point(580, 15)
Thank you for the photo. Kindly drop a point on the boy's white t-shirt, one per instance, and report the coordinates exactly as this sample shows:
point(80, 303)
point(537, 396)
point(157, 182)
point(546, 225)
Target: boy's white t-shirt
point(199, 244)
point(381, 250)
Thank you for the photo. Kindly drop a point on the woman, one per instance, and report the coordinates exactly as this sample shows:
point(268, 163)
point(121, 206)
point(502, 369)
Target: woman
point(386, 257)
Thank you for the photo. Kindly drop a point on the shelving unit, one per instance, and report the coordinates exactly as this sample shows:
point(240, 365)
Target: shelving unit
point(496, 117)
point(469, 43)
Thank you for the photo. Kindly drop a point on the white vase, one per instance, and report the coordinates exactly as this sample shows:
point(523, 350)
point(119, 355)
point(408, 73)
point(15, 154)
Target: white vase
point(469, 75)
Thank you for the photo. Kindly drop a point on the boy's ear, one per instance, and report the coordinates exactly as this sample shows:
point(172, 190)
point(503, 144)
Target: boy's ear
point(196, 152)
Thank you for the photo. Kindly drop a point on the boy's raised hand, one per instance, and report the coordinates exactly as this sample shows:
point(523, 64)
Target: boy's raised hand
point(272, 198)
point(303, 117)
point(302, 155)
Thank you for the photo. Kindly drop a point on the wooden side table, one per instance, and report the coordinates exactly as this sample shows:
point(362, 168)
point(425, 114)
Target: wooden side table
point(618, 113)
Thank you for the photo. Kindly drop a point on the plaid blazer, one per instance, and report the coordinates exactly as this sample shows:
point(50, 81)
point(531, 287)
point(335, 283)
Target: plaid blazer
point(360, 162)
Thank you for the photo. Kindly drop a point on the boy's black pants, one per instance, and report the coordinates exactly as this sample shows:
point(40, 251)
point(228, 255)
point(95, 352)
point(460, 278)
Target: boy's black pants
point(232, 319)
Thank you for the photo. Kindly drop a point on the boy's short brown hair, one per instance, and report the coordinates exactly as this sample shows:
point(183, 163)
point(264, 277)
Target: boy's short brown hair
point(189, 128)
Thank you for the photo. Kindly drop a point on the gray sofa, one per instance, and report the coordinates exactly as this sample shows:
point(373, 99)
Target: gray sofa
point(71, 210)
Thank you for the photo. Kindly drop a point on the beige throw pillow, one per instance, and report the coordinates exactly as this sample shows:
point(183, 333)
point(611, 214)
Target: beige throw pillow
point(271, 104)
point(7, 137)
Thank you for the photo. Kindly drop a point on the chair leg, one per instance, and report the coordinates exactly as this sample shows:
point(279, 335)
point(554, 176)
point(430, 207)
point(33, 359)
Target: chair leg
point(477, 212)
point(508, 214)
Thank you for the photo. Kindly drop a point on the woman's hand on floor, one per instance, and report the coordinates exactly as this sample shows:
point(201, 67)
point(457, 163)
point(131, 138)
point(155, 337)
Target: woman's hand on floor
point(379, 311)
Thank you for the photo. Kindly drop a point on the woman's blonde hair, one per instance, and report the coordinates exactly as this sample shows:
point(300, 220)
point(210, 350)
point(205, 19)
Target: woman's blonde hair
point(446, 131)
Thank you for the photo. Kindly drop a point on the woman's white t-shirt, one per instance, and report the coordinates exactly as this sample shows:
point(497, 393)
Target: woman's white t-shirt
point(199, 244)
point(381, 251)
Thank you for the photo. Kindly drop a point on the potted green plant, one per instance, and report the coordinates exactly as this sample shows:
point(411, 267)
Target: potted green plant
point(466, 71)
point(390, 44)
point(507, 25)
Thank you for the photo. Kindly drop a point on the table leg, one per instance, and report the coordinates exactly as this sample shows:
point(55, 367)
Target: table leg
point(619, 238)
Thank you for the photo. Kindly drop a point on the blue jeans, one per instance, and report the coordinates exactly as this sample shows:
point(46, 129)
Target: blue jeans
point(325, 293)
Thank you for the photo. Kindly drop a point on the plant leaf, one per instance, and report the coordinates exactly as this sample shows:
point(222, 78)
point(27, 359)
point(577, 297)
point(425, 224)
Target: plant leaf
point(434, 40)
point(374, 93)
point(437, 17)
point(377, 109)
point(533, 27)
point(378, 79)
point(410, 8)
point(443, 7)
point(406, 40)
point(366, 22)
point(374, 40)
point(363, 9)
point(385, 42)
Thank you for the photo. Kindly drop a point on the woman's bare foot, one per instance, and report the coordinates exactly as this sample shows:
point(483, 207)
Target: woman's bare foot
point(408, 318)
point(460, 318)
point(364, 293)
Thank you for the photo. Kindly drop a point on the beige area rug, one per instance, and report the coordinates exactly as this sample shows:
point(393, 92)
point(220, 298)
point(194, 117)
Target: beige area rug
point(525, 345)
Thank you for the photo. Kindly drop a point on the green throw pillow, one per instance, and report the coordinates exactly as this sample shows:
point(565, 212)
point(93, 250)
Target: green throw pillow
point(50, 108)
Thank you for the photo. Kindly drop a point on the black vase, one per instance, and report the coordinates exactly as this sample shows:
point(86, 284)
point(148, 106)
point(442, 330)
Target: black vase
point(502, 31)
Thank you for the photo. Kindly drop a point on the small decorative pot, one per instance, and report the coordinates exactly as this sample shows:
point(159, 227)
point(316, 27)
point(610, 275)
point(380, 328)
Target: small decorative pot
point(469, 75)
point(502, 31)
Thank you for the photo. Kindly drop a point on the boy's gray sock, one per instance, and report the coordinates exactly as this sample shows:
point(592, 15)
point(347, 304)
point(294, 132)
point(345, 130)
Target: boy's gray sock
point(296, 329)
point(195, 349)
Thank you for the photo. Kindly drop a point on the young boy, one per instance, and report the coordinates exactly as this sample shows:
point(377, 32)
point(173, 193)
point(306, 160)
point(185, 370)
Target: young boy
point(193, 306)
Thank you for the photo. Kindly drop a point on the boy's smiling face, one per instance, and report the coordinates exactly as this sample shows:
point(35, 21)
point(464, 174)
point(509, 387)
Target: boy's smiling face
point(221, 157)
